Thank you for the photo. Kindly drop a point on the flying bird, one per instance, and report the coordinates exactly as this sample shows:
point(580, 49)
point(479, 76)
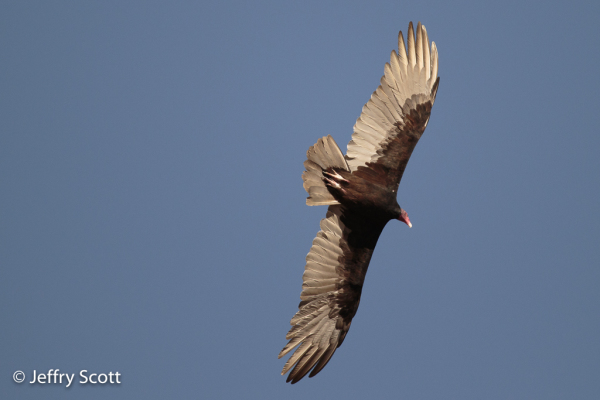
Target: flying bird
point(360, 189)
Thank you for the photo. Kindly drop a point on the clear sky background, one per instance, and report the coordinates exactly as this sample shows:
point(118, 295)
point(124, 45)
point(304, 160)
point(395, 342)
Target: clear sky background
point(153, 220)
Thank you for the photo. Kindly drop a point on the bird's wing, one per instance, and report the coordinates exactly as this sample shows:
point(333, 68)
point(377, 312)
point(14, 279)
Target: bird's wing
point(333, 277)
point(393, 120)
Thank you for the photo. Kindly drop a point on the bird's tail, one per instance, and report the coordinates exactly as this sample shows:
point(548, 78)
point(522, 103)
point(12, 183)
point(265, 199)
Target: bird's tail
point(323, 155)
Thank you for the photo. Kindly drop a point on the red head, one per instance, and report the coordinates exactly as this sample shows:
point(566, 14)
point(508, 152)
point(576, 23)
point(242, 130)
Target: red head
point(404, 218)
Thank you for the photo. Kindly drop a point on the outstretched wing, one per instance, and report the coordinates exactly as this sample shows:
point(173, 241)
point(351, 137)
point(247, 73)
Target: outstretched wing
point(333, 277)
point(393, 120)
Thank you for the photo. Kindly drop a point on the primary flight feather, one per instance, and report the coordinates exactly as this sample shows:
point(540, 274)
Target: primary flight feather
point(360, 189)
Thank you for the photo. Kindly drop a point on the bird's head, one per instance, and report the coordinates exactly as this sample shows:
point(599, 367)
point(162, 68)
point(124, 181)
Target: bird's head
point(404, 218)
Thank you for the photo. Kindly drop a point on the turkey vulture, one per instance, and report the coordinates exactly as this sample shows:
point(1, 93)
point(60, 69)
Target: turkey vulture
point(360, 190)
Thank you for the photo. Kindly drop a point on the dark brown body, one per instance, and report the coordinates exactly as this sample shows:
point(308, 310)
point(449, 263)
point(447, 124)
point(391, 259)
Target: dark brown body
point(368, 204)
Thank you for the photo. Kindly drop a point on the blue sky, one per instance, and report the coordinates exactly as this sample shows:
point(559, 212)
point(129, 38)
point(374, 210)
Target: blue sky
point(152, 216)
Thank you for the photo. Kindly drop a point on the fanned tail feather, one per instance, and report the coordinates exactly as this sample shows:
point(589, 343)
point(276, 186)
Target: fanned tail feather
point(324, 154)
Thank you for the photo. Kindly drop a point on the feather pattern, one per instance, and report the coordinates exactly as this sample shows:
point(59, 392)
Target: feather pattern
point(412, 71)
point(333, 278)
